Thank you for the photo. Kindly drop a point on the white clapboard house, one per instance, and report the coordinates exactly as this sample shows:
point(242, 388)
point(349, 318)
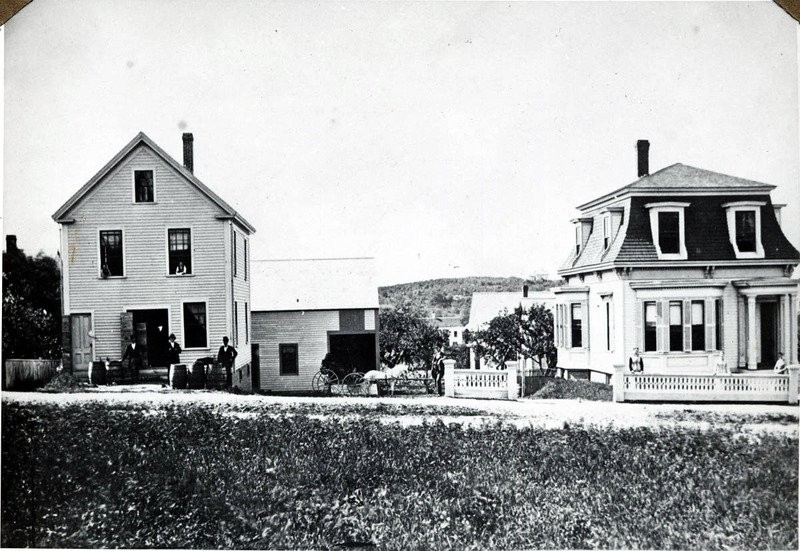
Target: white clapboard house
point(684, 264)
point(147, 248)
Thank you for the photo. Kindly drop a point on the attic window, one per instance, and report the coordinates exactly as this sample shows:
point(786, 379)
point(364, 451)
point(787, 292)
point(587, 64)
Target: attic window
point(744, 228)
point(577, 239)
point(606, 231)
point(143, 188)
point(668, 229)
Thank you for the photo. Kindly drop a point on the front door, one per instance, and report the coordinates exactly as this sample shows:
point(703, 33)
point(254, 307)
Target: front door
point(769, 334)
point(82, 346)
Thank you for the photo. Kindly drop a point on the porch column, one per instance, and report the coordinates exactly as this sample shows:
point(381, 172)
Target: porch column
point(472, 362)
point(752, 351)
point(786, 344)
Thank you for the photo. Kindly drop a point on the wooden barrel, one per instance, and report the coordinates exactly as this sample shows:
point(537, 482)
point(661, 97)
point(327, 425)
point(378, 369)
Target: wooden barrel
point(215, 377)
point(97, 373)
point(178, 376)
point(197, 375)
point(114, 374)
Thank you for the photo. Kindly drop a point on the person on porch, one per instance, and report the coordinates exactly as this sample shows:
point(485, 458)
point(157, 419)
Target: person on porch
point(133, 353)
point(226, 356)
point(635, 362)
point(722, 365)
point(780, 365)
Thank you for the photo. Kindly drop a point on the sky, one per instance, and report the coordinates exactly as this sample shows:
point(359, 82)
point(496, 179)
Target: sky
point(445, 139)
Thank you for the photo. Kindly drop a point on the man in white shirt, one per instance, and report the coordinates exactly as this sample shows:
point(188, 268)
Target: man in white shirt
point(780, 365)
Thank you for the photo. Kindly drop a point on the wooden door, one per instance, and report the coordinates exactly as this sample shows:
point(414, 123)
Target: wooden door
point(82, 345)
point(255, 363)
point(141, 338)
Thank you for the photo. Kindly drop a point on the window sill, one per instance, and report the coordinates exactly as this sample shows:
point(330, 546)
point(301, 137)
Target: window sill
point(290, 374)
point(179, 275)
point(112, 277)
point(196, 349)
point(144, 202)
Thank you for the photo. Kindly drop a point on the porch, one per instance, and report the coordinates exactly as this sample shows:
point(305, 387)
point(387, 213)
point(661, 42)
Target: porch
point(745, 386)
point(767, 321)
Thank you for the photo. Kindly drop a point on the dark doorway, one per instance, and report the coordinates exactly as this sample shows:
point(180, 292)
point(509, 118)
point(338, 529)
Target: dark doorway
point(151, 328)
point(255, 364)
point(354, 352)
point(769, 341)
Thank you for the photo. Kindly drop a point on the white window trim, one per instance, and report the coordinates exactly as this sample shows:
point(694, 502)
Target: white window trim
point(584, 336)
point(100, 257)
point(606, 232)
point(578, 239)
point(134, 170)
point(669, 206)
point(744, 206)
point(208, 323)
point(166, 250)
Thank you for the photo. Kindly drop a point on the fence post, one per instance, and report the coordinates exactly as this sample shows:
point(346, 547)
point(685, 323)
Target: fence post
point(511, 380)
point(619, 382)
point(793, 381)
point(449, 378)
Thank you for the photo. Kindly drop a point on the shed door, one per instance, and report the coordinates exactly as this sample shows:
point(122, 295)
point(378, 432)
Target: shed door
point(82, 352)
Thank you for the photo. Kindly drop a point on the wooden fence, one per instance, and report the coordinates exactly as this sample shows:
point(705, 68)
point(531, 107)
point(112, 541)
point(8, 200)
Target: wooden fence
point(27, 374)
point(481, 383)
point(738, 387)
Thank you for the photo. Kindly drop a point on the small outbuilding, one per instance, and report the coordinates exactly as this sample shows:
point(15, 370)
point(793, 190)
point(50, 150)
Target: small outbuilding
point(304, 309)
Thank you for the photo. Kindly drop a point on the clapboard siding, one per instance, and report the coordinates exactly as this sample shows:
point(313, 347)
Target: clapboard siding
point(308, 329)
point(178, 204)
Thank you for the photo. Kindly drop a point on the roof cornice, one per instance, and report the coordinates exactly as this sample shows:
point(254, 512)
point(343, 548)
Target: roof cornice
point(623, 193)
point(677, 264)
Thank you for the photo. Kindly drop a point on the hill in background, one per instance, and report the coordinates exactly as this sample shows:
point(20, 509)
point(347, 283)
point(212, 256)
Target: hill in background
point(451, 297)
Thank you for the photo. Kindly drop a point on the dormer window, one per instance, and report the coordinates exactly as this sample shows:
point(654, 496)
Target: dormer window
point(744, 228)
point(668, 229)
point(143, 188)
point(606, 232)
point(577, 239)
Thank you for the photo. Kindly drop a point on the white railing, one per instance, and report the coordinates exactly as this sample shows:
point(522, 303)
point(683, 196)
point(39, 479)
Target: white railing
point(739, 387)
point(481, 383)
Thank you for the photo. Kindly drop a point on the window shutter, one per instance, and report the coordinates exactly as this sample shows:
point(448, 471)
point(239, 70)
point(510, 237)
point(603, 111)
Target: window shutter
point(662, 325)
point(568, 325)
point(687, 325)
point(557, 323)
point(639, 325)
point(711, 330)
point(585, 324)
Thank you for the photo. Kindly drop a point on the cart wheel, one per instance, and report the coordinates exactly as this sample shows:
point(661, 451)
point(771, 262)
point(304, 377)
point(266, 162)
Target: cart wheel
point(322, 381)
point(354, 382)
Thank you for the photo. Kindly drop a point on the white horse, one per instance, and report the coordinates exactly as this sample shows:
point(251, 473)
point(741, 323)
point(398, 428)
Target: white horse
point(387, 375)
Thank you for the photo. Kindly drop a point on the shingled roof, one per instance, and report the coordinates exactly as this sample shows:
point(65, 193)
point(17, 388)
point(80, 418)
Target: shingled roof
point(706, 225)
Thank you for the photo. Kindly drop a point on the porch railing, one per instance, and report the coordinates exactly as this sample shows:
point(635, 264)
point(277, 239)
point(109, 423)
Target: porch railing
point(739, 387)
point(481, 383)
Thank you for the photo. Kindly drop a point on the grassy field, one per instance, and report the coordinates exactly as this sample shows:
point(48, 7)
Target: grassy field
point(93, 475)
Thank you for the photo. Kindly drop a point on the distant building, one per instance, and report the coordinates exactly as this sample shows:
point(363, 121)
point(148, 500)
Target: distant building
point(147, 249)
point(487, 306)
point(451, 324)
point(683, 263)
point(306, 308)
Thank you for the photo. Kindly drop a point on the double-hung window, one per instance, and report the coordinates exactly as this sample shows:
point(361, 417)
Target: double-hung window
point(111, 254)
point(667, 225)
point(576, 325)
point(744, 228)
point(179, 244)
point(195, 325)
point(288, 357)
point(650, 320)
point(675, 326)
point(606, 232)
point(698, 325)
point(143, 187)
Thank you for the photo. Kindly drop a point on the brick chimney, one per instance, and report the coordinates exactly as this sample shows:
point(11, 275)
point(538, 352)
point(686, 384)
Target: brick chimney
point(188, 151)
point(11, 243)
point(643, 155)
point(524, 291)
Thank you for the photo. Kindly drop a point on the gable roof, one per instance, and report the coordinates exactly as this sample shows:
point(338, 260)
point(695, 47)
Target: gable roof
point(313, 284)
point(680, 177)
point(487, 306)
point(141, 137)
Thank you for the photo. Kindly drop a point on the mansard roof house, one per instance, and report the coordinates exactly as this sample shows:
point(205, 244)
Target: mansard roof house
point(684, 264)
point(147, 248)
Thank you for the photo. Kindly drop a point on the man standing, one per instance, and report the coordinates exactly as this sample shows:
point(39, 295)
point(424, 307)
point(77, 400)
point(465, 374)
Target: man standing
point(133, 353)
point(635, 362)
point(226, 356)
point(173, 350)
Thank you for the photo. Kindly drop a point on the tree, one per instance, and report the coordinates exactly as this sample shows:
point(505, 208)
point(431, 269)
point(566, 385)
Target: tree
point(31, 305)
point(407, 338)
point(526, 333)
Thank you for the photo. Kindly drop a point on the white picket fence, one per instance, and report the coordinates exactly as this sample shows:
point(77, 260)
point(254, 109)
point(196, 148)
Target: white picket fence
point(738, 387)
point(491, 384)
